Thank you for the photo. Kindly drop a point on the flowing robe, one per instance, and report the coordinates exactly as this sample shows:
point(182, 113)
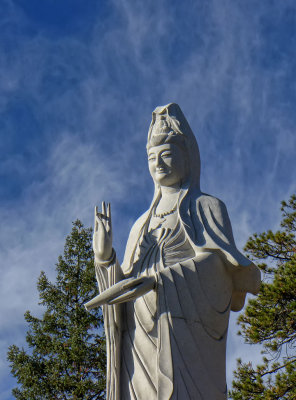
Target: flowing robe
point(170, 343)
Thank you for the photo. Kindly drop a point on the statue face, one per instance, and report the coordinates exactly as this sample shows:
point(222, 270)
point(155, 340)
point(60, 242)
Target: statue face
point(167, 164)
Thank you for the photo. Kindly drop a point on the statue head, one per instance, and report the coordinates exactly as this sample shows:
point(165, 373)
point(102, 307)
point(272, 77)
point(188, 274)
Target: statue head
point(168, 164)
point(173, 152)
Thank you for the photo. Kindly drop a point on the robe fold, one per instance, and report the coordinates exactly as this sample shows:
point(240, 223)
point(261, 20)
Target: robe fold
point(170, 343)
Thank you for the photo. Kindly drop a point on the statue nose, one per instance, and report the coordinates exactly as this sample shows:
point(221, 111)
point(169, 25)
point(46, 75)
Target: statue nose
point(159, 162)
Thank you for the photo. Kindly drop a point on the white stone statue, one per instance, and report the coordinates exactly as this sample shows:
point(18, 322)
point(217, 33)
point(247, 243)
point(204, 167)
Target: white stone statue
point(166, 308)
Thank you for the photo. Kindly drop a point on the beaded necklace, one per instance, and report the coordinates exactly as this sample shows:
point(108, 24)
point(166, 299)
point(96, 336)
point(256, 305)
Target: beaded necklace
point(161, 215)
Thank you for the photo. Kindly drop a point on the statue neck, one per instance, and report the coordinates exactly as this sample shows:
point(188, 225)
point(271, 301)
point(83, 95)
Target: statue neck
point(168, 199)
point(169, 190)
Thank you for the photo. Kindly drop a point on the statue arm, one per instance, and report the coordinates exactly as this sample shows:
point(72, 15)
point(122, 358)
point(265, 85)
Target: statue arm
point(245, 274)
point(108, 272)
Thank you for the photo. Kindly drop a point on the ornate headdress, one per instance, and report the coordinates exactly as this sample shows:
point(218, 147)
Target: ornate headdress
point(169, 125)
point(165, 125)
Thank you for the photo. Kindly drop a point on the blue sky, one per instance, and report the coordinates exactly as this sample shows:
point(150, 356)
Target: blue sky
point(78, 82)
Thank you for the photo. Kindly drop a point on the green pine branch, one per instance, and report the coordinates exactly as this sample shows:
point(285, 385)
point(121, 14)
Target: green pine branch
point(270, 318)
point(66, 357)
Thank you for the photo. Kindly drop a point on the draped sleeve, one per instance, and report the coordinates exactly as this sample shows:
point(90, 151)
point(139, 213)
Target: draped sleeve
point(208, 225)
point(107, 276)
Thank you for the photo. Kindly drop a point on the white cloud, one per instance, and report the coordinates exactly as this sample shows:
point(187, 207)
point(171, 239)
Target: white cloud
point(93, 100)
point(33, 234)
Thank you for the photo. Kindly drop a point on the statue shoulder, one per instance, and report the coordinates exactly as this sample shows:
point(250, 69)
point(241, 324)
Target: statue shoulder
point(205, 200)
point(136, 229)
point(138, 224)
point(132, 241)
point(214, 211)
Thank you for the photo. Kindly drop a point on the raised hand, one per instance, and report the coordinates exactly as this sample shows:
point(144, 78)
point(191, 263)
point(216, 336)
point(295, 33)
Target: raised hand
point(102, 239)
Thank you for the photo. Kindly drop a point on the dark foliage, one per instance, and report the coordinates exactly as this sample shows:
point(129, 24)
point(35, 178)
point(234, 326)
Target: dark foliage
point(270, 318)
point(66, 356)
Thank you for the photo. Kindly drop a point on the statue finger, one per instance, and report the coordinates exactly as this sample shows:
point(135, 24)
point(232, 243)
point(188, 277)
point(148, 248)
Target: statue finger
point(103, 208)
point(96, 223)
point(100, 220)
point(100, 216)
point(103, 215)
point(109, 215)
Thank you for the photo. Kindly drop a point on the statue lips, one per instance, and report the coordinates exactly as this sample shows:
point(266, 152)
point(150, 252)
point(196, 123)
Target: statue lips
point(161, 172)
point(125, 290)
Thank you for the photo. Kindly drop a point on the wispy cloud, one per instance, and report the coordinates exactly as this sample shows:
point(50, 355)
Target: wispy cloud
point(76, 108)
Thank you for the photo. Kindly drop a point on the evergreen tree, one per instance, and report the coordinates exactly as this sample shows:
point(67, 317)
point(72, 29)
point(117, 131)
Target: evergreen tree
point(270, 318)
point(66, 357)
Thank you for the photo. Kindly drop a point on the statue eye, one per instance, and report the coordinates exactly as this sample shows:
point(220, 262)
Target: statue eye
point(152, 158)
point(166, 154)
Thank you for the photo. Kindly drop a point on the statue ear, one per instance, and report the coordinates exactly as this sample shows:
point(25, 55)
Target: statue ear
point(186, 158)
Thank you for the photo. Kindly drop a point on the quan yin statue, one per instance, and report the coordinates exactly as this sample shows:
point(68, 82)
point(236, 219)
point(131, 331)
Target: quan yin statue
point(166, 307)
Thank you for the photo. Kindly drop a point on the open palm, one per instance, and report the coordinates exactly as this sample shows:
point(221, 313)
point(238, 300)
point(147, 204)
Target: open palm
point(102, 239)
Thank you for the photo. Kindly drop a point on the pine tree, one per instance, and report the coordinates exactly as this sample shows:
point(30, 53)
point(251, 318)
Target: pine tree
point(270, 319)
point(66, 357)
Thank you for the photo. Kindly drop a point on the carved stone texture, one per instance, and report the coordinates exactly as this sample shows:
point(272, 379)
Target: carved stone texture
point(166, 308)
